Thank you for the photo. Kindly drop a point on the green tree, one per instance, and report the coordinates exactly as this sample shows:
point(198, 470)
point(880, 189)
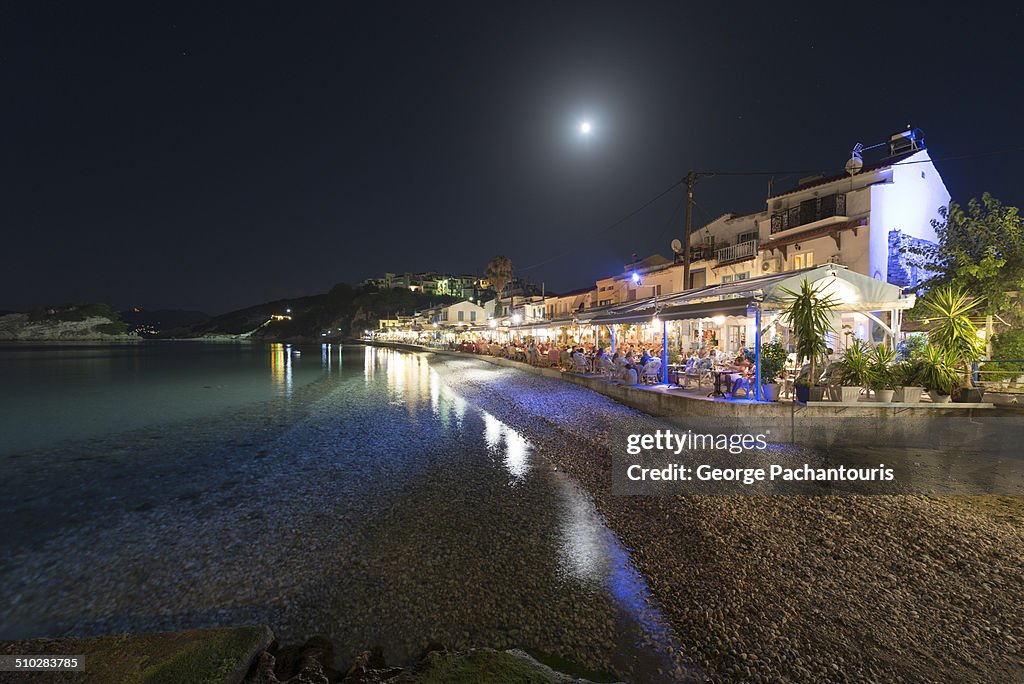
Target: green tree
point(980, 249)
point(947, 309)
point(500, 272)
point(809, 314)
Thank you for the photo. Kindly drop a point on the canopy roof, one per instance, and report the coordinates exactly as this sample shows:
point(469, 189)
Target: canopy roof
point(853, 292)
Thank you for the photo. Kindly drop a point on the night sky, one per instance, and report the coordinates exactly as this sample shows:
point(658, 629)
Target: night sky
point(216, 155)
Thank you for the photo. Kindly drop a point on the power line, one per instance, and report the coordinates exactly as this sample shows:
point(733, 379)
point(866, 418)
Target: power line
point(609, 227)
point(709, 174)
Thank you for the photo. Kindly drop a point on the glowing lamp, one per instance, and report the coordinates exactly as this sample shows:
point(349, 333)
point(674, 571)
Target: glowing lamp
point(718, 320)
point(516, 319)
point(636, 277)
point(586, 128)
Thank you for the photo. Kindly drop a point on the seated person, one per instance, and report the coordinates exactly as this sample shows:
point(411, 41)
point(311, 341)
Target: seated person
point(743, 377)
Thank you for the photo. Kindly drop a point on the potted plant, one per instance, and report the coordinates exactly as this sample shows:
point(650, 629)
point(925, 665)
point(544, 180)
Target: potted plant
point(853, 371)
point(882, 373)
point(953, 332)
point(773, 362)
point(906, 376)
point(809, 315)
point(938, 373)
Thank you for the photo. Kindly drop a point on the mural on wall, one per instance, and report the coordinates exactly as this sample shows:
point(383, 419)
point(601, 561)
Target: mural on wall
point(901, 271)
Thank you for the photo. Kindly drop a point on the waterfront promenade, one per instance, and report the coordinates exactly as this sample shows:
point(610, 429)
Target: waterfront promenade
point(817, 424)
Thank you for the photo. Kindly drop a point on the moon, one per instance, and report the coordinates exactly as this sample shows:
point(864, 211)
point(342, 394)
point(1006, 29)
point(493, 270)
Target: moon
point(586, 128)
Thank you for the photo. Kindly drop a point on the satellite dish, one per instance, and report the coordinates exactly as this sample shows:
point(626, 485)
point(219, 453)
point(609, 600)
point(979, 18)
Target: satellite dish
point(677, 246)
point(856, 161)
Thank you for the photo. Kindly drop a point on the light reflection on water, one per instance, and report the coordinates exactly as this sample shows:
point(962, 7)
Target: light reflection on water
point(517, 450)
point(281, 367)
point(590, 553)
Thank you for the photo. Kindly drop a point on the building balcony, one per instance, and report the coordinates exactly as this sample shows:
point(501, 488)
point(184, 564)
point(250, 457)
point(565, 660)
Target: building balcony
point(809, 211)
point(742, 251)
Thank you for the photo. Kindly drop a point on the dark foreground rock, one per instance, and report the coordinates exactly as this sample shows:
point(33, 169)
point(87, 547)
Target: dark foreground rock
point(311, 664)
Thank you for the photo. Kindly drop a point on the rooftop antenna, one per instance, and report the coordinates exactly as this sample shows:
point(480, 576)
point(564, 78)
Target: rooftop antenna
point(856, 161)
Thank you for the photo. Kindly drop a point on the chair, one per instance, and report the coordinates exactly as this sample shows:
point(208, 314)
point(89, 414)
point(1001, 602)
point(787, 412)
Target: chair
point(580, 363)
point(650, 371)
point(742, 381)
point(607, 368)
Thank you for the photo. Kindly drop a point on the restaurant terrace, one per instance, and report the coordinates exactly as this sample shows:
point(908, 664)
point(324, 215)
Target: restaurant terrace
point(728, 319)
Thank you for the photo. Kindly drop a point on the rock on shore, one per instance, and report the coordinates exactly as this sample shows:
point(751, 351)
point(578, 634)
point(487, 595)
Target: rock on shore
point(311, 663)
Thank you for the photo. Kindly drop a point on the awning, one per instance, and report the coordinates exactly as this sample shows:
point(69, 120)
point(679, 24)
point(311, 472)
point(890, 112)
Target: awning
point(734, 306)
point(854, 292)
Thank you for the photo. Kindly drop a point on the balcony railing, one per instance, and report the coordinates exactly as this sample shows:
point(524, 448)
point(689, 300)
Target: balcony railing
point(809, 211)
point(737, 252)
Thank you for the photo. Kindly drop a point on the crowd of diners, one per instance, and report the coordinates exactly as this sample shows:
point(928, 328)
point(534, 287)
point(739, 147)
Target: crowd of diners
point(708, 365)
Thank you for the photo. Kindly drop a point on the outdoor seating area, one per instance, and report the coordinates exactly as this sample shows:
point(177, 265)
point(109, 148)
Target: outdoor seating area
point(710, 343)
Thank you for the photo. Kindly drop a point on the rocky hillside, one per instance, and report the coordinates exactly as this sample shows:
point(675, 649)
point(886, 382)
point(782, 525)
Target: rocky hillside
point(71, 322)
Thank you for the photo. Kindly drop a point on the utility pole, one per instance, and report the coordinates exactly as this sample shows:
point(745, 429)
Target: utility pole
point(691, 178)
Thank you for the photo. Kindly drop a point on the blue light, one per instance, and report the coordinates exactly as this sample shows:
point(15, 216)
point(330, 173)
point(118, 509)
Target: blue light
point(636, 277)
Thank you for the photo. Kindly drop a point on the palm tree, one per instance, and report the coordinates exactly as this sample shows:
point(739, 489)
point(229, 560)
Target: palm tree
point(809, 314)
point(951, 328)
point(500, 272)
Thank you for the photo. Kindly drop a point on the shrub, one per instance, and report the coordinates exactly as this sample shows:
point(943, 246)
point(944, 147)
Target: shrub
point(773, 361)
point(854, 368)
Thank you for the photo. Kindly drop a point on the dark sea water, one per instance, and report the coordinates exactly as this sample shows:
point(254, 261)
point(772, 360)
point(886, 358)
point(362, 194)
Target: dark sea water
point(347, 492)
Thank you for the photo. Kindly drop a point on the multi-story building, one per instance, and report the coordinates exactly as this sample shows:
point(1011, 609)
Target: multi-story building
point(647, 277)
point(563, 305)
point(460, 313)
point(862, 219)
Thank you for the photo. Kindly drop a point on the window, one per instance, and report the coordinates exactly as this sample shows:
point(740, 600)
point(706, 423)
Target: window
point(472, 315)
point(657, 290)
point(698, 279)
point(462, 315)
point(742, 276)
point(727, 279)
point(749, 236)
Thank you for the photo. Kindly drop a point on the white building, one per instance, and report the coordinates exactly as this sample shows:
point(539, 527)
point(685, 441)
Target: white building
point(461, 313)
point(860, 220)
